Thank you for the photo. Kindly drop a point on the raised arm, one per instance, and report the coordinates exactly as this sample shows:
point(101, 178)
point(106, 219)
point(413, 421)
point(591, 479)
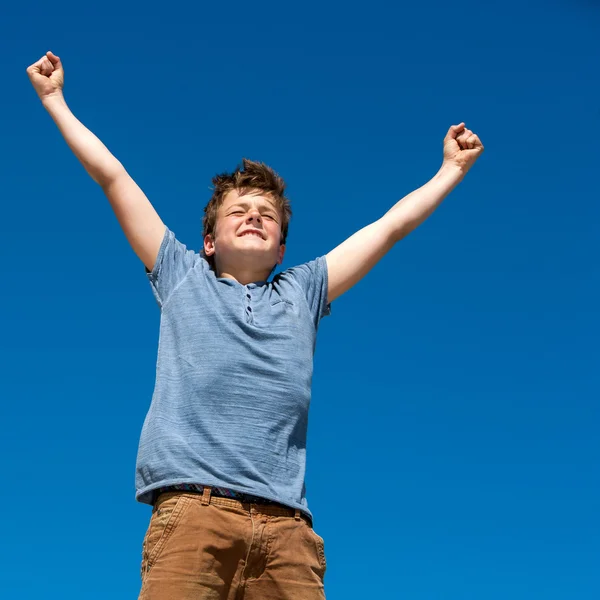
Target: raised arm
point(140, 222)
point(353, 259)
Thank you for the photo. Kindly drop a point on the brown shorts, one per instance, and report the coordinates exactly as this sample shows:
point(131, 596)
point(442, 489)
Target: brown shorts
point(201, 547)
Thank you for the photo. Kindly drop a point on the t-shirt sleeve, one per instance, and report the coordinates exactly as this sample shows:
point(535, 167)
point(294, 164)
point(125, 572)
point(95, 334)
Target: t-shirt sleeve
point(173, 263)
point(311, 277)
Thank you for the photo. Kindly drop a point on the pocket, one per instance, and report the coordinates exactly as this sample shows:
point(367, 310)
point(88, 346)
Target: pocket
point(320, 545)
point(282, 314)
point(165, 517)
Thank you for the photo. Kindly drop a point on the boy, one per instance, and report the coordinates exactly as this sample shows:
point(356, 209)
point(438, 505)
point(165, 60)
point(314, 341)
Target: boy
point(222, 449)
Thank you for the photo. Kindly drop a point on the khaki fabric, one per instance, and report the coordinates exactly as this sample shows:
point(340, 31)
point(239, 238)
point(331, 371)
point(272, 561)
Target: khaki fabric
point(199, 547)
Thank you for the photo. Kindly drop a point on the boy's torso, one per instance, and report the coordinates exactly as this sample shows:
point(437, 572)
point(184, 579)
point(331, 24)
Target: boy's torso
point(234, 371)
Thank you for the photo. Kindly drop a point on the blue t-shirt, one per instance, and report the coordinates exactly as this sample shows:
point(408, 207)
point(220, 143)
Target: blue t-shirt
point(233, 378)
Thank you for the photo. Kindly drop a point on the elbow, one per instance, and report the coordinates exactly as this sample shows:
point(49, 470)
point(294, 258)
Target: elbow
point(404, 229)
point(408, 223)
point(107, 175)
point(400, 228)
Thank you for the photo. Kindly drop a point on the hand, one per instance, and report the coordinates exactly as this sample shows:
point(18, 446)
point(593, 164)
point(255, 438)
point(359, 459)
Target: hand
point(47, 76)
point(461, 147)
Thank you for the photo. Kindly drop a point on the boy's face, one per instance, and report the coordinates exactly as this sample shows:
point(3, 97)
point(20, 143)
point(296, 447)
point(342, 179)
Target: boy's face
point(247, 233)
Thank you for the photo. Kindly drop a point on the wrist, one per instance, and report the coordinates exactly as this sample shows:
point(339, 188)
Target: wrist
point(53, 99)
point(451, 170)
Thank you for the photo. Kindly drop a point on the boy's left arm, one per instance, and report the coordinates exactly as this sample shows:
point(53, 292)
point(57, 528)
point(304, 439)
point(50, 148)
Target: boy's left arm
point(353, 259)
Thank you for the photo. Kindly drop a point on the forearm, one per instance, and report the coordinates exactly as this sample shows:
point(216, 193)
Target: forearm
point(412, 210)
point(101, 165)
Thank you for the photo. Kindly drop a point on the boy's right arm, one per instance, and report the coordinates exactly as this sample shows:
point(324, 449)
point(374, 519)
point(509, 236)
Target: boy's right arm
point(142, 226)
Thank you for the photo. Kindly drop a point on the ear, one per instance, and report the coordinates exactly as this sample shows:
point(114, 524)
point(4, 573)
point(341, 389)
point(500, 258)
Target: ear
point(280, 254)
point(209, 245)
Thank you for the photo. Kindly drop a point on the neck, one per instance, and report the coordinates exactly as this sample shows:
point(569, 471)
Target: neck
point(243, 276)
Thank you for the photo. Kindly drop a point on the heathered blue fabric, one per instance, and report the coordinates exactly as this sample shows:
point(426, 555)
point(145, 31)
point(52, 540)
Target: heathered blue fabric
point(233, 378)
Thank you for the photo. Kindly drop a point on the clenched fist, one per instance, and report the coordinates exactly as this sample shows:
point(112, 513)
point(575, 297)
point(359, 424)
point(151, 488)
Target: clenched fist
point(47, 76)
point(461, 147)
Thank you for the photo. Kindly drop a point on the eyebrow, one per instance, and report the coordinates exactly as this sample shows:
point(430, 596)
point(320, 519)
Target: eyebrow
point(247, 204)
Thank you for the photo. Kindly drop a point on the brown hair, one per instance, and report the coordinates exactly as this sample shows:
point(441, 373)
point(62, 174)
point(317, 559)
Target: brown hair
point(248, 176)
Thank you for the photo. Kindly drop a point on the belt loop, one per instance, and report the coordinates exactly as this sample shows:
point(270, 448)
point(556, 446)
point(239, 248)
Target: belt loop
point(297, 514)
point(206, 495)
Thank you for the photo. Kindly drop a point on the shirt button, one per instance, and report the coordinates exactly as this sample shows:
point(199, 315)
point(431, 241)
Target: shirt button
point(249, 309)
point(248, 296)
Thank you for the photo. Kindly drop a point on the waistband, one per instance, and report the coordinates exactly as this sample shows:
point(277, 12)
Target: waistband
point(242, 501)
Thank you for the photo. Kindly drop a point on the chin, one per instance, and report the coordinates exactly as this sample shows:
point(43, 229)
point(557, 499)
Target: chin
point(258, 256)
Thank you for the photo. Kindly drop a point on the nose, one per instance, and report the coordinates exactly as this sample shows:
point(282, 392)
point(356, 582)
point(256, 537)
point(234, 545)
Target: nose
point(254, 215)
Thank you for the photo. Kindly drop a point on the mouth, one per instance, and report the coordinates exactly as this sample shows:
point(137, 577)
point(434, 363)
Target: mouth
point(252, 232)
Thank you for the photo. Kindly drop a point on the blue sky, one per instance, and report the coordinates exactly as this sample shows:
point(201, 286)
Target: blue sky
point(453, 450)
